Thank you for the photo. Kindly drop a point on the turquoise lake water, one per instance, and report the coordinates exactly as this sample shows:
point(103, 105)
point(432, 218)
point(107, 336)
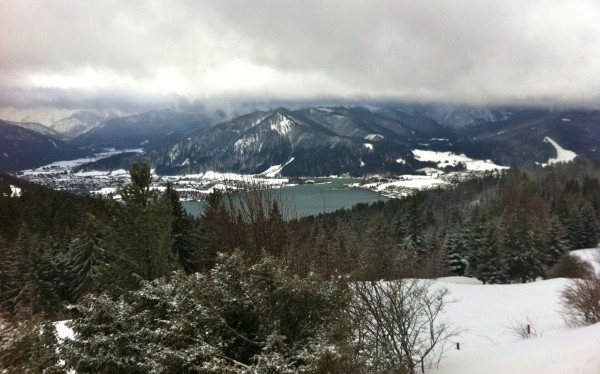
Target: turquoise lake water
point(307, 199)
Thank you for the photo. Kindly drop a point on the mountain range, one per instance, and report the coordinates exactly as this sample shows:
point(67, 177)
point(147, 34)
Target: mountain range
point(27, 145)
point(319, 140)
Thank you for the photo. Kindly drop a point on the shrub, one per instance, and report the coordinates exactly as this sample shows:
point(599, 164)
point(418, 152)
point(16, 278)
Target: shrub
point(580, 301)
point(569, 266)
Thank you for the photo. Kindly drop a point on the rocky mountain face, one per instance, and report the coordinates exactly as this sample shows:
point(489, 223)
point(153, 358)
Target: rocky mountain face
point(23, 148)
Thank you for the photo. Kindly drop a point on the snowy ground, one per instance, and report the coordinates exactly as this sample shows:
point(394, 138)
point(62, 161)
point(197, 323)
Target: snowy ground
point(562, 155)
point(59, 175)
point(452, 159)
point(488, 344)
point(404, 185)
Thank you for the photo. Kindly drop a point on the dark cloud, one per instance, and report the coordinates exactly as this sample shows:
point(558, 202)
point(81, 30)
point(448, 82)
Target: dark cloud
point(71, 53)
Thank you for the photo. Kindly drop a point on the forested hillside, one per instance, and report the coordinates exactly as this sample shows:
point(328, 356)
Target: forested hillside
point(64, 256)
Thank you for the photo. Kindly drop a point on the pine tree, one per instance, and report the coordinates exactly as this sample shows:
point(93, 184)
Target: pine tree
point(182, 231)
point(588, 224)
point(138, 192)
point(147, 218)
point(557, 242)
point(525, 221)
point(276, 231)
point(381, 259)
point(86, 260)
point(455, 253)
point(491, 267)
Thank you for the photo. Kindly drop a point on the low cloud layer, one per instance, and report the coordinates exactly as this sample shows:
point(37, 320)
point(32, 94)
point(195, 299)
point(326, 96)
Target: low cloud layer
point(73, 54)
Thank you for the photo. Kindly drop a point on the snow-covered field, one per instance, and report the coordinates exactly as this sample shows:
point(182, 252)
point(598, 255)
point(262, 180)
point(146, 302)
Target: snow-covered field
point(452, 159)
point(489, 346)
point(403, 185)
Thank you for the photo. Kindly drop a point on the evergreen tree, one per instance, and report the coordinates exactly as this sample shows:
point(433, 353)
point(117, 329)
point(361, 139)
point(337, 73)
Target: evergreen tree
point(86, 260)
point(455, 253)
point(525, 223)
point(381, 259)
point(588, 226)
point(138, 192)
point(491, 267)
point(216, 230)
point(182, 231)
point(557, 241)
point(237, 318)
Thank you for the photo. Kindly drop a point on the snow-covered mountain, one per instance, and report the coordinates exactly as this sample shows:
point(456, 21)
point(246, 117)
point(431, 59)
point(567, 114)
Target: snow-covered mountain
point(321, 141)
point(459, 117)
point(336, 140)
point(39, 128)
point(145, 130)
point(365, 141)
point(77, 123)
point(21, 147)
point(521, 139)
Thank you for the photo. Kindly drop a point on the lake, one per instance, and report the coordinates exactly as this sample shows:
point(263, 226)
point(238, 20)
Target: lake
point(307, 199)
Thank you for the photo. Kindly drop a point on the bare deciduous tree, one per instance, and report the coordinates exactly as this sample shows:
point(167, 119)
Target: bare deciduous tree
point(399, 324)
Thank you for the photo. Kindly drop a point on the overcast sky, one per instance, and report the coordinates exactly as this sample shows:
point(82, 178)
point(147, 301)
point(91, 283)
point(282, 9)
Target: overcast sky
point(84, 53)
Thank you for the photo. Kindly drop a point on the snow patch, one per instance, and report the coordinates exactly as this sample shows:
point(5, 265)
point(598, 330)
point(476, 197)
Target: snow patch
point(374, 137)
point(400, 161)
point(283, 126)
point(105, 191)
point(63, 331)
point(275, 170)
point(566, 120)
point(451, 159)
point(15, 191)
point(406, 184)
point(368, 146)
point(562, 155)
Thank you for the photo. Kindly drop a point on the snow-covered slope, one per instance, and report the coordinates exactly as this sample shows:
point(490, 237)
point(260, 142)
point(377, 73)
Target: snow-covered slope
point(77, 123)
point(451, 159)
point(562, 155)
point(39, 128)
point(489, 346)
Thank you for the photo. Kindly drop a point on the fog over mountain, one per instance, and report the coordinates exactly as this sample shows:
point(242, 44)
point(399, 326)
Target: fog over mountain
point(140, 56)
